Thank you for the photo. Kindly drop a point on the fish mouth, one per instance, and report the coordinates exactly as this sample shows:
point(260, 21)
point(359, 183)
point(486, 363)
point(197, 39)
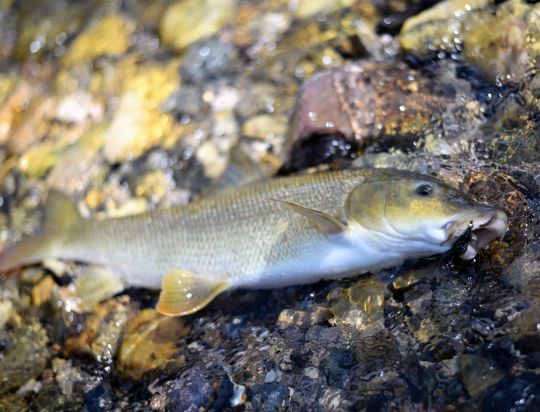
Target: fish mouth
point(482, 230)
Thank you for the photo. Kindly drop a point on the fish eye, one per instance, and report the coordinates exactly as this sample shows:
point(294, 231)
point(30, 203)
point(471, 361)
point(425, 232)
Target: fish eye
point(424, 190)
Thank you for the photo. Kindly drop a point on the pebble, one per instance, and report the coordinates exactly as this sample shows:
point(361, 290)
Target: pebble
point(311, 372)
point(265, 127)
point(190, 392)
point(270, 376)
point(205, 18)
point(309, 8)
point(208, 60)
point(139, 123)
point(6, 311)
point(213, 161)
point(106, 37)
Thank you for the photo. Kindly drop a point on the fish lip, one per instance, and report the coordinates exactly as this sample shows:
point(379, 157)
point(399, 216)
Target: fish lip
point(485, 228)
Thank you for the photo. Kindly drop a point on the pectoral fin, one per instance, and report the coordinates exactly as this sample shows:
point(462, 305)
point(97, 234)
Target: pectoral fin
point(96, 284)
point(323, 222)
point(183, 293)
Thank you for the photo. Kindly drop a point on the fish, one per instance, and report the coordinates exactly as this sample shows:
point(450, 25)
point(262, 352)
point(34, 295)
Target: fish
point(266, 234)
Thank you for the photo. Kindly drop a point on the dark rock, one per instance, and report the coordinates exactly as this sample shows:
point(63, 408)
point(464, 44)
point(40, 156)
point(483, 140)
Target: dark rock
point(514, 393)
point(25, 357)
point(337, 368)
point(270, 397)
point(190, 392)
point(319, 149)
point(99, 398)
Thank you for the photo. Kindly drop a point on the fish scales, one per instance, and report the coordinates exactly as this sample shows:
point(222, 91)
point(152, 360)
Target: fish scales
point(240, 234)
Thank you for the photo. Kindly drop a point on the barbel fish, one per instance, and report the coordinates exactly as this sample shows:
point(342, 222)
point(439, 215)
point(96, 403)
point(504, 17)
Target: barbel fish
point(273, 233)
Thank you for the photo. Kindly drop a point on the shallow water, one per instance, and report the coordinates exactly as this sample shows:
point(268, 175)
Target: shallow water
point(128, 107)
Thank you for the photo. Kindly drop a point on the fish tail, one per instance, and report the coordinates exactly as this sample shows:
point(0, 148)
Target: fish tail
point(61, 215)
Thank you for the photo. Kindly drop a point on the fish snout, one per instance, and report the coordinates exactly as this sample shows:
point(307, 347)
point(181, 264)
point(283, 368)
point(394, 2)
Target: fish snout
point(485, 228)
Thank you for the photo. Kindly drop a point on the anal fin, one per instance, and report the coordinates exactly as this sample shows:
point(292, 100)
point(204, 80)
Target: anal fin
point(183, 293)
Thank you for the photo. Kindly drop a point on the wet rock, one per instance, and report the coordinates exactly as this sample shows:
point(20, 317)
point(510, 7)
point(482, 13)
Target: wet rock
point(478, 375)
point(154, 186)
point(360, 307)
point(208, 60)
point(257, 97)
point(102, 333)
point(500, 39)
point(186, 102)
point(519, 392)
point(16, 98)
point(43, 290)
point(303, 319)
point(67, 376)
point(390, 105)
point(439, 27)
point(307, 8)
point(504, 45)
point(332, 149)
point(213, 161)
point(270, 397)
point(8, 32)
point(139, 123)
point(265, 127)
point(25, 357)
point(32, 126)
point(99, 397)
point(106, 37)
point(185, 22)
point(44, 28)
point(150, 342)
point(192, 391)
point(78, 165)
point(337, 368)
point(13, 402)
point(500, 188)
point(6, 311)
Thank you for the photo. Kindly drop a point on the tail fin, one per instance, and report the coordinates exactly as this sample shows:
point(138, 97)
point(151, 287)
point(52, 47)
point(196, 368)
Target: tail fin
point(61, 214)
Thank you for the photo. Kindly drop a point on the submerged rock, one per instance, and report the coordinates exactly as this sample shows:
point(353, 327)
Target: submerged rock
point(24, 358)
point(150, 342)
point(102, 333)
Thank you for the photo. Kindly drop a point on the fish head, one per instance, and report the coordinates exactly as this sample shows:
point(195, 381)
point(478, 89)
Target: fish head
point(424, 212)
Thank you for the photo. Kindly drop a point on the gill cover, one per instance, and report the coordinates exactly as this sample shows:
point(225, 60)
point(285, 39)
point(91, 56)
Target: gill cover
point(365, 204)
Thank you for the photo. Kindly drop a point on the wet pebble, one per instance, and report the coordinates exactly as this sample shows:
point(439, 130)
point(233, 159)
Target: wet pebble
point(28, 347)
point(208, 60)
point(205, 18)
point(270, 397)
point(190, 392)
